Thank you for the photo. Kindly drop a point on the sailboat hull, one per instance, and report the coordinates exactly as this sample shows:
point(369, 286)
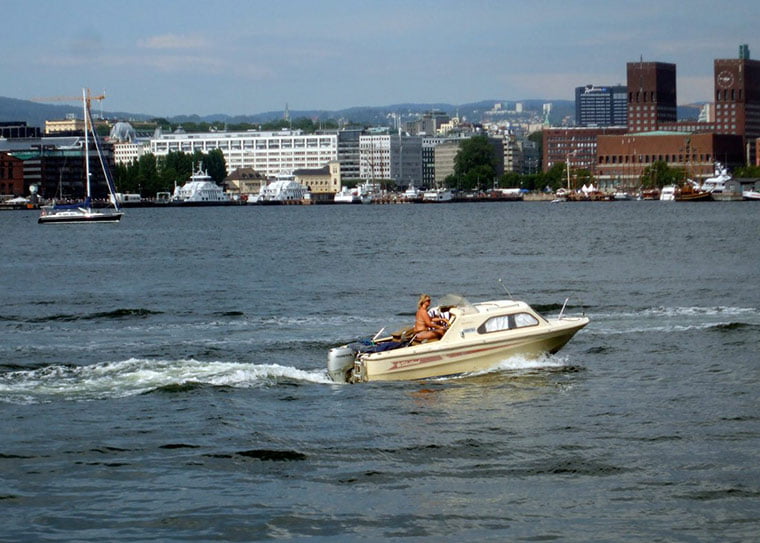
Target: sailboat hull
point(79, 217)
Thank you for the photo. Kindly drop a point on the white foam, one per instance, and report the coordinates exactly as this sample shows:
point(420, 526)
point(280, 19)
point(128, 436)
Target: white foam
point(137, 376)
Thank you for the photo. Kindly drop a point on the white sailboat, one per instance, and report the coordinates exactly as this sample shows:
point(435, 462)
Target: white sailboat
point(84, 212)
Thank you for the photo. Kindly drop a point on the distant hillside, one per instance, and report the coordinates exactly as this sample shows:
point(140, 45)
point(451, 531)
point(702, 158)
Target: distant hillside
point(35, 114)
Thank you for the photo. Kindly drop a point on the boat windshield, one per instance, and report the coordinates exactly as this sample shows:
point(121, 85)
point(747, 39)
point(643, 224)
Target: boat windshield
point(456, 300)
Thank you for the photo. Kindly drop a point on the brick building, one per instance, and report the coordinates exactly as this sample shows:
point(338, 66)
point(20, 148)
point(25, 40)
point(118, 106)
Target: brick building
point(12, 176)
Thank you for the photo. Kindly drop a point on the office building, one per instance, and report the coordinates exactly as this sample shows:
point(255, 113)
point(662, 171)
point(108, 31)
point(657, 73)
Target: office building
point(601, 106)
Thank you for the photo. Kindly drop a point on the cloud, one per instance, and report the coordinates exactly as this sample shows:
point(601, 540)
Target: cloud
point(173, 41)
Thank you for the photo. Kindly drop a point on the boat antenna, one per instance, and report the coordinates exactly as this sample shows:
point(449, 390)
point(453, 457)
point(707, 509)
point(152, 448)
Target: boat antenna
point(505, 288)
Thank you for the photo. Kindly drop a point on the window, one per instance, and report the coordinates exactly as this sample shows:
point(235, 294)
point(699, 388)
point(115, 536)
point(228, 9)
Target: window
point(507, 322)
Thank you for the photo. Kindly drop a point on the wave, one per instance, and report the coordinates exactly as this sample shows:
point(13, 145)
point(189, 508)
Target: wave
point(141, 376)
point(123, 313)
point(520, 365)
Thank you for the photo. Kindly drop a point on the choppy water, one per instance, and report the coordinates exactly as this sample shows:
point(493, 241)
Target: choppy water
point(164, 378)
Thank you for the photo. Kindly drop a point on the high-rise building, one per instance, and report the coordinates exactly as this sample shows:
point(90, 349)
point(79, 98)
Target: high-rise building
point(651, 95)
point(737, 97)
point(601, 106)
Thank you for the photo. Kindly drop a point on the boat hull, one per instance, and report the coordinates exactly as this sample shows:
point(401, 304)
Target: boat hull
point(440, 359)
point(80, 218)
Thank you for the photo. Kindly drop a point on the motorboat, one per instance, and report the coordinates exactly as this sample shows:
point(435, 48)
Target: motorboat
point(668, 193)
point(479, 336)
point(413, 194)
point(751, 194)
point(347, 196)
point(437, 195)
point(200, 190)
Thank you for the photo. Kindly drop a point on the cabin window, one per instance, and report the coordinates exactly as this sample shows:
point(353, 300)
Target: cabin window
point(507, 322)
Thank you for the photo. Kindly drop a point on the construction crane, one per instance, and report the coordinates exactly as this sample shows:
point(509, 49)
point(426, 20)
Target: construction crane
point(88, 99)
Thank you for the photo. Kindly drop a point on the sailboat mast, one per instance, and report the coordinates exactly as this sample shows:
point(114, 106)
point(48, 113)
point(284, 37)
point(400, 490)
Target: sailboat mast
point(86, 146)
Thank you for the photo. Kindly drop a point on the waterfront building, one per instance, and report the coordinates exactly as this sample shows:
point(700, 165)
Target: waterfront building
point(601, 106)
point(270, 153)
point(651, 95)
point(406, 160)
point(349, 153)
point(622, 159)
point(56, 166)
point(445, 156)
point(69, 125)
point(18, 129)
point(575, 146)
point(323, 183)
point(12, 176)
point(375, 156)
point(245, 181)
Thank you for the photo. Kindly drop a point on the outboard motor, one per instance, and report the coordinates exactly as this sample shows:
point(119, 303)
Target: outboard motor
point(340, 361)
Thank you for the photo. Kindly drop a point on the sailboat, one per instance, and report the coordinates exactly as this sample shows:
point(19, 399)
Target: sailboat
point(84, 212)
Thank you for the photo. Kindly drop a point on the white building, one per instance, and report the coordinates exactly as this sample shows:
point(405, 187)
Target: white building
point(375, 156)
point(269, 153)
point(126, 152)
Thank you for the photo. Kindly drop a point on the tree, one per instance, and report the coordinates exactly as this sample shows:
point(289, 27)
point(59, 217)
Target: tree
point(475, 163)
point(747, 171)
point(216, 165)
point(658, 174)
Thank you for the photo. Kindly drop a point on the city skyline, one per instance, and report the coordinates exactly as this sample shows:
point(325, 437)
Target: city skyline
point(246, 57)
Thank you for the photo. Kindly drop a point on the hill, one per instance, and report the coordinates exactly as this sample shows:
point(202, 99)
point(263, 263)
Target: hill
point(35, 114)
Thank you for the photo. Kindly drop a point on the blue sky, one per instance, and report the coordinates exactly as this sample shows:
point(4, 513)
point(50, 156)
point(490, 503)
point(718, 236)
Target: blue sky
point(165, 57)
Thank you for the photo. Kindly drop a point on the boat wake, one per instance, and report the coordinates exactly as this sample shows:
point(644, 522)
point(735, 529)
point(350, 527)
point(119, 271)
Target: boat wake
point(142, 376)
point(518, 365)
point(676, 319)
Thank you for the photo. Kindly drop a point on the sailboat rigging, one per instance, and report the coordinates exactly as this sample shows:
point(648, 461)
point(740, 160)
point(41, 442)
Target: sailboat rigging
point(84, 212)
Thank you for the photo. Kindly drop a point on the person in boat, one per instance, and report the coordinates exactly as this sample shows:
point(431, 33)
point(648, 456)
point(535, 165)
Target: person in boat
point(425, 326)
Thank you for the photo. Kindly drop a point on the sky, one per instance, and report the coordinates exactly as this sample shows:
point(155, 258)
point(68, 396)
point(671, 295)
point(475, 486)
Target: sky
point(242, 57)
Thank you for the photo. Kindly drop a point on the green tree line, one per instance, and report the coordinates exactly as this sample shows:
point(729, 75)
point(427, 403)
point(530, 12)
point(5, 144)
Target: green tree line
point(151, 174)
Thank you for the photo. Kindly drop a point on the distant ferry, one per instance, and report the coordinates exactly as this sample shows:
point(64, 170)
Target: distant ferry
point(200, 190)
point(283, 190)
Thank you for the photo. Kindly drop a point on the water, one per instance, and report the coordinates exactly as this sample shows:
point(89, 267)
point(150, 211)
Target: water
point(164, 379)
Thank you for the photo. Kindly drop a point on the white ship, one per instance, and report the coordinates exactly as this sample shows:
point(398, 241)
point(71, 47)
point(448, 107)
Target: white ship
point(200, 190)
point(283, 190)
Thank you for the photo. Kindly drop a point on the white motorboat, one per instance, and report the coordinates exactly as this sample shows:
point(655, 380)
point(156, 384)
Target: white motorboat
point(413, 194)
point(200, 190)
point(479, 337)
point(751, 194)
point(347, 196)
point(668, 193)
point(437, 195)
point(82, 213)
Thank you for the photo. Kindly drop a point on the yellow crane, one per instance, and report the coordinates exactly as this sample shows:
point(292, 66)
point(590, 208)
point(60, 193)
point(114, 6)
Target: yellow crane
point(88, 98)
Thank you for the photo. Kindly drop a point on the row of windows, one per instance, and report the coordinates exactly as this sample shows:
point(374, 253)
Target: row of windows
point(723, 95)
point(646, 159)
point(6, 170)
point(507, 322)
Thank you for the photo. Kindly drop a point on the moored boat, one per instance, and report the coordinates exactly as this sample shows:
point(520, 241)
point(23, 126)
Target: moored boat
point(437, 196)
point(479, 336)
point(200, 190)
point(347, 196)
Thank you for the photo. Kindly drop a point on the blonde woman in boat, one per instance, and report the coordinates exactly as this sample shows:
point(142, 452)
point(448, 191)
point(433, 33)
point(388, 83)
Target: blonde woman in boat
point(426, 327)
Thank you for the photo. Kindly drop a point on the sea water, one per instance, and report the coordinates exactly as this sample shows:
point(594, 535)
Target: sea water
point(164, 378)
